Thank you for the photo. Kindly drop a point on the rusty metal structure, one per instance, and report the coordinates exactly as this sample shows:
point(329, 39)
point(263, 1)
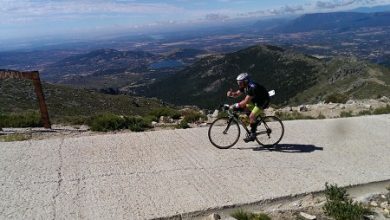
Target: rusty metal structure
point(34, 76)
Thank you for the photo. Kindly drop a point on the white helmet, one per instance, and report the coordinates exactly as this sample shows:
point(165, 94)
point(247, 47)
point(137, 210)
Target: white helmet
point(243, 77)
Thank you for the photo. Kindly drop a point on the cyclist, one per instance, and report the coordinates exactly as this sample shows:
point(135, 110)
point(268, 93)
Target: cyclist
point(256, 100)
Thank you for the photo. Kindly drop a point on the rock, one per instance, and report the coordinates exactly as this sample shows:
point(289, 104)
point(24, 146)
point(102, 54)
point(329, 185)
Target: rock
point(369, 217)
point(215, 114)
point(213, 216)
point(384, 205)
point(161, 120)
point(367, 106)
point(384, 99)
point(203, 125)
point(303, 108)
point(350, 102)
point(386, 211)
point(307, 216)
point(154, 123)
point(374, 204)
point(383, 196)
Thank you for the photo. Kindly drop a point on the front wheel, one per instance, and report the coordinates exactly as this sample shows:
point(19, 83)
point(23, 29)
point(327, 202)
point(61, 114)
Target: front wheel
point(270, 132)
point(224, 132)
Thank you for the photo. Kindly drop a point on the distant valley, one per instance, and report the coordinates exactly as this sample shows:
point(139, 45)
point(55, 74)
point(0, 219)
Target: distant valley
point(310, 51)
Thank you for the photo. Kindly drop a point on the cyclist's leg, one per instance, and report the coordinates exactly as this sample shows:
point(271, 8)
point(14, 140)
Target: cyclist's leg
point(256, 111)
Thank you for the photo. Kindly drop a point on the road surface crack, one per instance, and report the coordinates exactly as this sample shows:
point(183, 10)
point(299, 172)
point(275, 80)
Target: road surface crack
point(59, 181)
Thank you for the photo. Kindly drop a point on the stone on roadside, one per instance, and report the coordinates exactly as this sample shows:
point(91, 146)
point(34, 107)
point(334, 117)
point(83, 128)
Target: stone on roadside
point(303, 108)
point(384, 99)
point(384, 205)
point(374, 204)
point(154, 123)
point(215, 114)
point(350, 102)
point(307, 216)
point(213, 216)
point(386, 211)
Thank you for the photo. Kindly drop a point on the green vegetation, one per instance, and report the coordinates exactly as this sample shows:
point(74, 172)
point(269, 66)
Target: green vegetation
point(296, 78)
point(110, 122)
point(340, 207)
point(378, 111)
point(191, 116)
point(346, 114)
point(383, 110)
point(28, 119)
point(68, 105)
point(243, 215)
point(14, 137)
point(336, 98)
point(183, 124)
point(165, 111)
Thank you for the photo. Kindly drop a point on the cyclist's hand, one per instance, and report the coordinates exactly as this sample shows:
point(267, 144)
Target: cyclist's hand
point(235, 107)
point(230, 93)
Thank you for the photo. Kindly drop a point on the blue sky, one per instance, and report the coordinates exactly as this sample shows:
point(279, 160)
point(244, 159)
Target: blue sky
point(38, 18)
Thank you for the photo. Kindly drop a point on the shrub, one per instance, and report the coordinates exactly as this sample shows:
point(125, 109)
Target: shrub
point(136, 123)
point(29, 119)
point(183, 124)
point(345, 114)
point(333, 192)
point(340, 207)
point(192, 116)
point(165, 111)
point(14, 137)
point(336, 98)
point(383, 110)
point(365, 112)
point(106, 122)
point(110, 122)
point(243, 215)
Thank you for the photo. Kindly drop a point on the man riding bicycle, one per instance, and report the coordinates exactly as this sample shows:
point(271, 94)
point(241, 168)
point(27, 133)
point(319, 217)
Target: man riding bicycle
point(256, 100)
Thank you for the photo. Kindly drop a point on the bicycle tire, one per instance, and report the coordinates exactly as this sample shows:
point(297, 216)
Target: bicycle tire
point(275, 129)
point(218, 127)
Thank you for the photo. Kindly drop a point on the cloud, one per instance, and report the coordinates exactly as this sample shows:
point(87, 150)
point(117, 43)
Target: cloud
point(216, 17)
point(28, 7)
point(335, 4)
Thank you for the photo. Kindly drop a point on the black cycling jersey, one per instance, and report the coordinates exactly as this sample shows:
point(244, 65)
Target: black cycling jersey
point(258, 92)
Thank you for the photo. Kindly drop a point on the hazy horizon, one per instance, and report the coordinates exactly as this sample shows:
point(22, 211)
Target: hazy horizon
point(46, 20)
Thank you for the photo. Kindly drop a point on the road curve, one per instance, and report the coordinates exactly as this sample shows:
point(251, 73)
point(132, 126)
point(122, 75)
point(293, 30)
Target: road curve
point(163, 173)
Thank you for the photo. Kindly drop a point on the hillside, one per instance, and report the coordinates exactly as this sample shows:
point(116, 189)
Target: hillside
point(336, 20)
point(295, 77)
point(18, 96)
point(94, 69)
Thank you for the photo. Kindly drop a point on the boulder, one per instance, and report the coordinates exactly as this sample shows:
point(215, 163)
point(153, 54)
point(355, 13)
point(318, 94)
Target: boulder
point(307, 216)
point(384, 99)
point(215, 114)
point(303, 108)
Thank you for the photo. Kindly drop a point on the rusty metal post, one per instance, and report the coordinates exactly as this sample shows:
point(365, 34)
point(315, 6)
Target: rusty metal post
point(34, 76)
point(41, 99)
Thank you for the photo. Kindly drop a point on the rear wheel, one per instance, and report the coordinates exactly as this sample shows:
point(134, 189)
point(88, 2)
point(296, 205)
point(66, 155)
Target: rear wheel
point(270, 132)
point(224, 132)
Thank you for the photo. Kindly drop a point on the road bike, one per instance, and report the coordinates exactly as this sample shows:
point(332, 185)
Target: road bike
point(225, 131)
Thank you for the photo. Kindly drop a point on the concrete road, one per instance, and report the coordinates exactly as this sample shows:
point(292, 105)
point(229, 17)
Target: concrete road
point(163, 173)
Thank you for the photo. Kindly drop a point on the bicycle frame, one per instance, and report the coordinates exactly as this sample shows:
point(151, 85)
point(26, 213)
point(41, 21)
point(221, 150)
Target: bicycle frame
point(235, 117)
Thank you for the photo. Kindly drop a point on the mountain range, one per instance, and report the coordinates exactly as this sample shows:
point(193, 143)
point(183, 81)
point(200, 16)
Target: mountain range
point(336, 20)
point(297, 78)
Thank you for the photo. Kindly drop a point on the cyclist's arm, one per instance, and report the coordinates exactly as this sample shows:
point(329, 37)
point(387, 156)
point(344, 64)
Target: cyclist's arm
point(234, 94)
point(244, 102)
